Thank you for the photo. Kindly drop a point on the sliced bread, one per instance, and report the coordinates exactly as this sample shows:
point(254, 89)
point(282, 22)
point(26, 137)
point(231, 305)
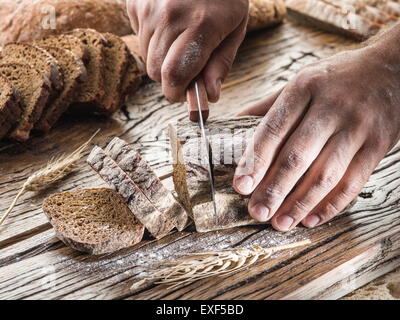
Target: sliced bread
point(66, 41)
point(95, 221)
point(140, 172)
point(33, 89)
point(10, 109)
point(93, 89)
point(74, 74)
point(36, 58)
point(154, 221)
point(116, 57)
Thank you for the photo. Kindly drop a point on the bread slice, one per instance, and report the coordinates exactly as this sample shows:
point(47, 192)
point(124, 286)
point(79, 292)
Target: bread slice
point(92, 90)
point(33, 89)
point(132, 79)
point(74, 74)
point(140, 172)
point(66, 41)
point(145, 211)
point(36, 58)
point(10, 109)
point(95, 221)
point(116, 57)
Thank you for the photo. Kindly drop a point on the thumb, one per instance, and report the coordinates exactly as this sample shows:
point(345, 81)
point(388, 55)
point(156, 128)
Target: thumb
point(221, 61)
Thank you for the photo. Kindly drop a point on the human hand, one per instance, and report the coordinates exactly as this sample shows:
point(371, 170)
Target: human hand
point(321, 137)
point(179, 39)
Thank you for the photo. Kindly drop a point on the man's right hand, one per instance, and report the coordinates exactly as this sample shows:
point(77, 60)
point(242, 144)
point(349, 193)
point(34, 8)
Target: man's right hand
point(181, 39)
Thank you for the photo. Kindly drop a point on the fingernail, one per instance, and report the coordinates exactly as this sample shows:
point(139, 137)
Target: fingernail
point(312, 221)
point(260, 212)
point(284, 222)
point(244, 184)
point(218, 85)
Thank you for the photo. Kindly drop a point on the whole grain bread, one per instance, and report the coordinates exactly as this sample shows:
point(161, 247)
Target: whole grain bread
point(154, 221)
point(10, 109)
point(92, 90)
point(41, 18)
point(74, 74)
point(66, 41)
point(33, 89)
point(37, 58)
point(116, 58)
point(95, 221)
point(265, 13)
point(140, 172)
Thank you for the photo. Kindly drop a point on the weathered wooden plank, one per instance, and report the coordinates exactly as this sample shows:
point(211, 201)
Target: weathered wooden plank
point(34, 264)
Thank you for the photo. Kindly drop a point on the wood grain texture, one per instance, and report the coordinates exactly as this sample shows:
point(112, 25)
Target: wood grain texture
point(348, 252)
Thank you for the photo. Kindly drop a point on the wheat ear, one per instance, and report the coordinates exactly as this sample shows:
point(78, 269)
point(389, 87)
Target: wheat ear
point(55, 170)
point(213, 263)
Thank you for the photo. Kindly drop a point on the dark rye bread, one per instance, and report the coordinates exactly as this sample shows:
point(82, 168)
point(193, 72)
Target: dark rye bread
point(116, 57)
point(66, 41)
point(10, 109)
point(154, 221)
point(36, 58)
point(95, 221)
point(92, 90)
point(74, 74)
point(140, 172)
point(33, 89)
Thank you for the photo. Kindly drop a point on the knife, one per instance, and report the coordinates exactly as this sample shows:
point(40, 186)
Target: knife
point(198, 112)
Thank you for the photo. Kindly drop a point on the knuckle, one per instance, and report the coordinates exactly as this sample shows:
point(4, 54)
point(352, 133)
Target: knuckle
point(300, 207)
point(273, 192)
point(170, 11)
point(272, 129)
point(308, 79)
point(171, 75)
point(329, 211)
point(350, 189)
point(326, 179)
point(293, 160)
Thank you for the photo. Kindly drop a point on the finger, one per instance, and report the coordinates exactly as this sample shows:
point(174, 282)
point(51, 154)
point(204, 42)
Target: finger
point(184, 61)
point(145, 34)
point(323, 176)
point(131, 9)
point(269, 137)
point(348, 188)
point(262, 107)
point(221, 61)
point(297, 155)
point(159, 45)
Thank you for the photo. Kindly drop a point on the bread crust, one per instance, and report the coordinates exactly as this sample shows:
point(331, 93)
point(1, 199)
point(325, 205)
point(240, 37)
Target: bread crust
point(10, 110)
point(25, 23)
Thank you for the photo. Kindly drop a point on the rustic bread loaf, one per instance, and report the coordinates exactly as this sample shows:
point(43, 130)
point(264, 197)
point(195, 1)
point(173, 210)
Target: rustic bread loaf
point(154, 221)
point(265, 13)
point(140, 172)
point(74, 74)
point(92, 90)
point(34, 19)
point(66, 41)
point(95, 221)
point(330, 17)
point(33, 89)
point(116, 59)
point(37, 58)
point(10, 109)
point(228, 138)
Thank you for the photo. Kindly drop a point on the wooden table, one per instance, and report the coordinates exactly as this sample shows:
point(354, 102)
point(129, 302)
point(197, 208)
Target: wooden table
point(355, 248)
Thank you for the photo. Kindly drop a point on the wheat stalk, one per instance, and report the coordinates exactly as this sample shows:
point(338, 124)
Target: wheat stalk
point(55, 170)
point(213, 263)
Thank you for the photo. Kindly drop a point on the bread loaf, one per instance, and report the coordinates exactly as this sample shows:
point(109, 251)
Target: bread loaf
point(140, 172)
point(35, 19)
point(265, 13)
point(10, 109)
point(33, 89)
point(74, 74)
point(154, 221)
point(95, 221)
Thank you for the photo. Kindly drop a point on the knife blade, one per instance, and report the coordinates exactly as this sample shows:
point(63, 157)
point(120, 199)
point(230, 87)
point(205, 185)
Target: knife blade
point(198, 109)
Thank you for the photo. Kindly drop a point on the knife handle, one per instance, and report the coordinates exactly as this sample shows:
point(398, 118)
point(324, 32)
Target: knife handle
point(191, 97)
